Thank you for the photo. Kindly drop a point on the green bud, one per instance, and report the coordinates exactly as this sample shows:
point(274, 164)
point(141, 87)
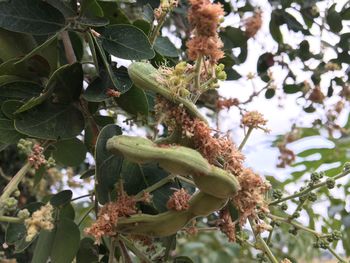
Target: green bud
point(284, 207)
point(346, 167)
point(315, 177)
point(312, 197)
point(330, 183)
point(180, 68)
point(277, 194)
point(16, 193)
point(302, 198)
point(261, 216)
point(221, 75)
point(296, 214)
point(23, 214)
point(293, 231)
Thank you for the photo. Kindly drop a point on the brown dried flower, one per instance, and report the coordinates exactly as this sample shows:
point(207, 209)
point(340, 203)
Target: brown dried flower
point(317, 95)
point(108, 215)
point(37, 158)
point(227, 103)
point(113, 93)
point(253, 119)
point(227, 226)
point(253, 24)
point(179, 200)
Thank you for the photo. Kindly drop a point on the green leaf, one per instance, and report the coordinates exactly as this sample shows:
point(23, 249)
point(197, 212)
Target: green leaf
point(292, 23)
point(67, 211)
point(143, 25)
point(113, 13)
point(14, 44)
point(270, 93)
point(182, 259)
point(91, 8)
point(108, 166)
point(70, 152)
point(165, 48)
point(30, 16)
point(334, 19)
point(147, 13)
point(9, 107)
point(345, 14)
point(88, 251)
point(43, 246)
point(292, 88)
point(93, 21)
point(134, 101)
point(20, 90)
point(14, 233)
point(8, 134)
point(127, 42)
point(275, 28)
point(66, 242)
point(51, 122)
point(61, 198)
point(233, 37)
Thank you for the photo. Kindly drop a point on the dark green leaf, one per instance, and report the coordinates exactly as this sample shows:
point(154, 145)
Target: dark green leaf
point(232, 74)
point(108, 166)
point(9, 107)
point(147, 13)
point(97, 90)
point(69, 152)
point(143, 25)
point(292, 88)
point(233, 37)
point(127, 42)
point(51, 121)
point(88, 251)
point(43, 246)
point(270, 93)
point(275, 28)
point(14, 233)
point(66, 242)
point(67, 211)
point(91, 8)
point(30, 16)
point(8, 134)
point(63, 7)
point(20, 90)
point(334, 19)
point(87, 174)
point(134, 101)
point(93, 21)
point(113, 13)
point(182, 259)
point(345, 14)
point(165, 48)
point(292, 23)
point(61, 198)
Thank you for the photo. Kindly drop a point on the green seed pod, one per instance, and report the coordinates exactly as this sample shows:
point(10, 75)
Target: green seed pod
point(202, 204)
point(144, 76)
point(330, 183)
point(177, 160)
point(284, 207)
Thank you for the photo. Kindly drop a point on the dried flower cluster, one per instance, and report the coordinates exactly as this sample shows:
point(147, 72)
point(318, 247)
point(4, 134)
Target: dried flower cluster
point(204, 18)
point(317, 95)
point(253, 24)
point(227, 226)
point(227, 103)
point(253, 119)
point(37, 158)
point(179, 200)
point(113, 93)
point(108, 215)
point(40, 219)
point(251, 195)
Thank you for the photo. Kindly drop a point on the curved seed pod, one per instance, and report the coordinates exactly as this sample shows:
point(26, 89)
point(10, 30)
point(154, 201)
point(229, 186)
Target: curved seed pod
point(202, 204)
point(168, 223)
point(144, 76)
point(178, 160)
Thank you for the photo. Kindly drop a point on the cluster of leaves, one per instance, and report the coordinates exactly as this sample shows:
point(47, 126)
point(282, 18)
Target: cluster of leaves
point(59, 99)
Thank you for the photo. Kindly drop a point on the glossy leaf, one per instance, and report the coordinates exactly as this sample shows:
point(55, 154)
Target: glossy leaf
point(127, 42)
point(43, 246)
point(134, 101)
point(51, 121)
point(108, 166)
point(165, 48)
point(88, 251)
point(70, 152)
point(8, 134)
point(61, 198)
point(30, 16)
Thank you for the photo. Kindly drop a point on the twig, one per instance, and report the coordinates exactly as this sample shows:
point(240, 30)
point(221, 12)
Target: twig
point(13, 184)
point(68, 48)
point(111, 250)
point(10, 219)
point(125, 255)
point(309, 189)
point(246, 137)
point(82, 196)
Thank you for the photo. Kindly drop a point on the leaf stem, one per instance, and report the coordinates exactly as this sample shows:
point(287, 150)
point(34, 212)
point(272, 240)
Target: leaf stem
point(68, 48)
point(264, 247)
point(13, 184)
point(197, 78)
point(342, 260)
point(111, 250)
point(155, 186)
point(245, 139)
point(154, 34)
point(10, 219)
point(309, 189)
point(134, 250)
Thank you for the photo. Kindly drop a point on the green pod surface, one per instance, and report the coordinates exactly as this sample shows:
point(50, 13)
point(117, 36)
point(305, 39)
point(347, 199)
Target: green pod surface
point(175, 159)
point(144, 76)
point(202, 204)
point(161, 225)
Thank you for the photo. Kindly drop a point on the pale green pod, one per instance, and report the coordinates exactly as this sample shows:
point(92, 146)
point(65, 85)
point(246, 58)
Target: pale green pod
point(161, 225)
point(175, 159)
point(202, 204)
point(144, 76)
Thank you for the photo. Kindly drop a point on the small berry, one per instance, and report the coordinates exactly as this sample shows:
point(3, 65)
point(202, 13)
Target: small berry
point(312, 197)
point(330, 183)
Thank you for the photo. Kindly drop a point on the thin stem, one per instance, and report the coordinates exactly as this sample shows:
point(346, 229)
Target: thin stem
point(297, 225)
point(246, 137)
point(156, 29)
point(197, 78)
point(112, 250)
point(134, 250)
point(270, 236)
point(13, 184)
point(125, 255)
point(264, 247)
point(82, 196)
point(309, 189)
point(10, 219)
point(336, 255)
point(184, 179)
point(68, 48)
